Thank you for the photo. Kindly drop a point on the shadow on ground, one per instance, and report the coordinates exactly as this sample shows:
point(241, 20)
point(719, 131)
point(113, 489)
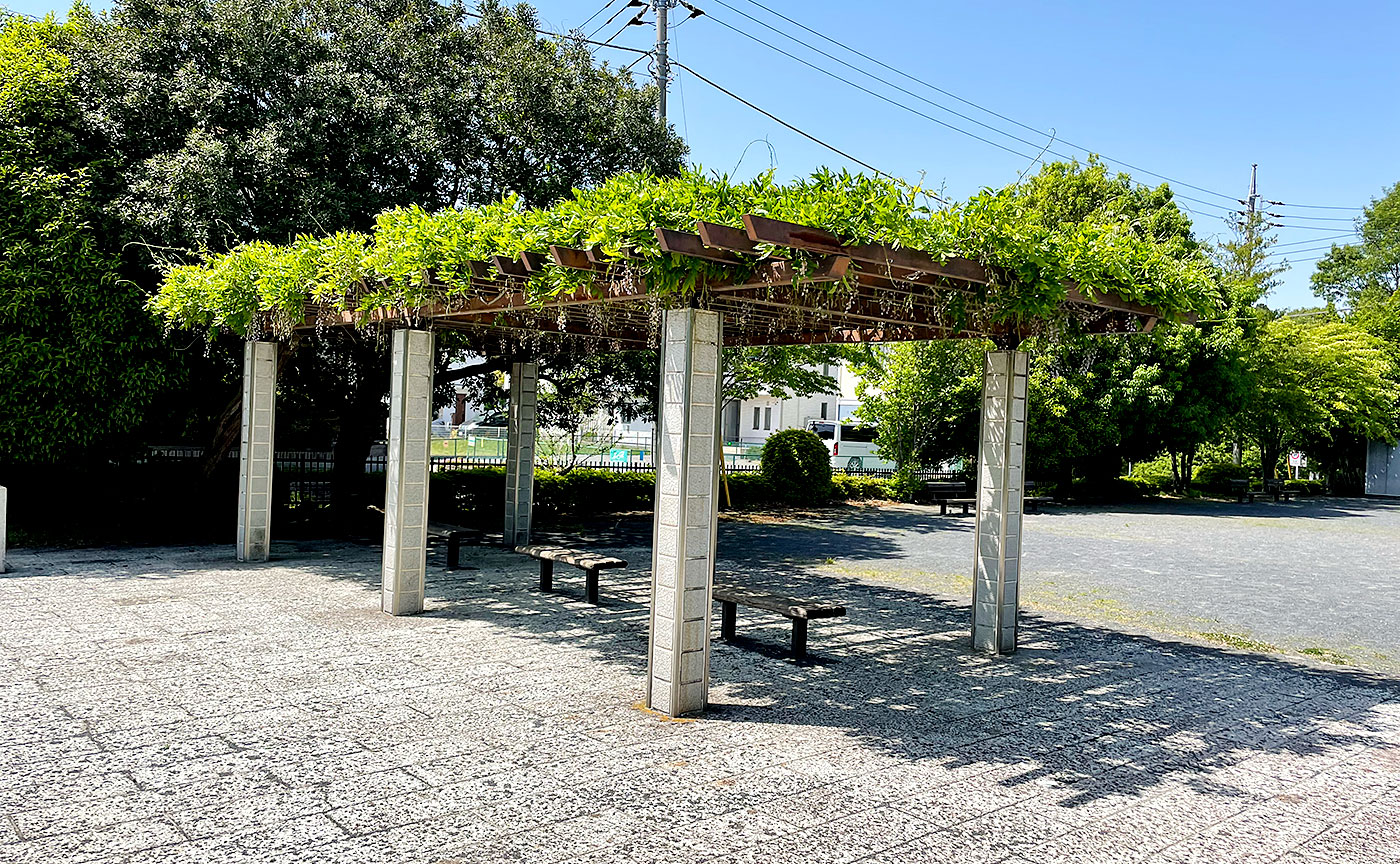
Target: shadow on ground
point(1099, 712)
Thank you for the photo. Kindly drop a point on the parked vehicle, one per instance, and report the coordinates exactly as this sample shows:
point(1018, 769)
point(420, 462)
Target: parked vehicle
point(853, 447)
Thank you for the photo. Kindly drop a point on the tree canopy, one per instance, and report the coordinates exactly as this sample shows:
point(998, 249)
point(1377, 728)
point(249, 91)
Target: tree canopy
point(79, 359)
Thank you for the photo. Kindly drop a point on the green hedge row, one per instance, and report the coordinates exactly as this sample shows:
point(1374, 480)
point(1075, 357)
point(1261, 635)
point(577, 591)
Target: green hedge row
point(478, 494)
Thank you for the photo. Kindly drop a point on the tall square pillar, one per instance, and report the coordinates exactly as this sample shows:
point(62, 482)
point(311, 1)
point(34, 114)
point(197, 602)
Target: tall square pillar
point(520, 454)
point(687, 490)
point(406, 478)
point(1001, 457)
point(4, 501)
point(255, 450)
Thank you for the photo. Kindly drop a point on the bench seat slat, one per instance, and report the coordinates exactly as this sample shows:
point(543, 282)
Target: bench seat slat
point(574, 557)
point(788, 607)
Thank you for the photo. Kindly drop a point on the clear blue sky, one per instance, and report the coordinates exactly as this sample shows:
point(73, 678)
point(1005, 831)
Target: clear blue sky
point(1193, 90)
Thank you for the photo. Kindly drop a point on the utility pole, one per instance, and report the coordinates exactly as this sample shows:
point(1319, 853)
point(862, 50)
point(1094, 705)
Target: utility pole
point(663, 62)
point(1236, 452)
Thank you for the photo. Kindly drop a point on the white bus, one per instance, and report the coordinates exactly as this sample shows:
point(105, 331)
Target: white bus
point(854, 447)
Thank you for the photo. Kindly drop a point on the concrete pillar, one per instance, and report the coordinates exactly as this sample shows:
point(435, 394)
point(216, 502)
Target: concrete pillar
point(255, 452)
point(1000, 462)
point(520, 454)
point(406, 477)
point(687, 498)
point(4, 501)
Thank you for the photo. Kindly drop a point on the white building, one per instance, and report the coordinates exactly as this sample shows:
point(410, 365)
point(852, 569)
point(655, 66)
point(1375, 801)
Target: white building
point(751, 421)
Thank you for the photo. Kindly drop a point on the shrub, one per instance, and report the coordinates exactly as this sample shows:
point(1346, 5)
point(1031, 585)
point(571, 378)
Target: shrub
point(1216, 476)
point(748, 489)
point(852, 487)
point(906, 485)
point(1307, 487)
point(797, 466)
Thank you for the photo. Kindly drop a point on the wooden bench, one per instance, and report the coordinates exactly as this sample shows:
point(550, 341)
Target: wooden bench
point(453, 535)
point(1276, 488)
point(588, 562)
point(1031, 504)
point(730, 597)
point(950, 495)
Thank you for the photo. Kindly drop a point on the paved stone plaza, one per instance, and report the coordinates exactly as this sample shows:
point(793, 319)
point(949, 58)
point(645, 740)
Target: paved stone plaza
point(168, 705)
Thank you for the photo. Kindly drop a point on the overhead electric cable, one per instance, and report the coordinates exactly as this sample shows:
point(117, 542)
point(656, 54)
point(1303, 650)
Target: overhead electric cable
point(950, 95)
point(809, 136)
point(573, 38)
point(917, 112)
point(983, 108)
point(1313, 240)
point(590, 18)
point(604, 25)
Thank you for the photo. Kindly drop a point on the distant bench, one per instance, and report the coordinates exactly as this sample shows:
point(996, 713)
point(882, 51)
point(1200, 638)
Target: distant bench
point(453, 534)
point(1273, 488)
point(950, 495)
point(730, 597)
point(947, 495)
point(588, 562)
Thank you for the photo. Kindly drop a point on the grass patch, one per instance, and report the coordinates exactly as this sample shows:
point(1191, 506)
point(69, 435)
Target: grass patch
point(1328, 655)
point(1243, 643)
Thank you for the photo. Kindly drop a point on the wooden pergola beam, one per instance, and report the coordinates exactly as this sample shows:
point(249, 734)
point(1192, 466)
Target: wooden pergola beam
point(760, 229)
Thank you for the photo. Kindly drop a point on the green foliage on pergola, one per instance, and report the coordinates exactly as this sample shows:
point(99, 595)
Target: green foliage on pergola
point(1008, 264)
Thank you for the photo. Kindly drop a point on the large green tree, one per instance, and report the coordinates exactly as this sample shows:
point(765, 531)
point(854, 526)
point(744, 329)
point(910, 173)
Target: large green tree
point(230, 122)
point(1364, 277)
point(1310, 382)
point(80, 360)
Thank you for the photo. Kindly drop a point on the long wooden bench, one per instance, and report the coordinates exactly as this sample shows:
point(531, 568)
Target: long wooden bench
point(950, 495)
point(1031, 504)
point(588, 562)
point(730, 597)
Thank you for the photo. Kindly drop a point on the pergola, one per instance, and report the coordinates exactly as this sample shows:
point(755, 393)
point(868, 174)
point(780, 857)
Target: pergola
point(770, 283)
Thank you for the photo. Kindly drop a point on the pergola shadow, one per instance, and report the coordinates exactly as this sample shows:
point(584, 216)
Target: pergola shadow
point(1097, 713)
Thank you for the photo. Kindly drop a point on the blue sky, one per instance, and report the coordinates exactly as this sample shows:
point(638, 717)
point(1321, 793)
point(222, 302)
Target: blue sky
point(1195, 91)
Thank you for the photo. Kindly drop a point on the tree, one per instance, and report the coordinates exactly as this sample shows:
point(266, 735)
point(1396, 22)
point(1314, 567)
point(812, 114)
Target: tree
point(79, 358)
point(1365, 277)
point(1314, 381)
point(926, 399)
point(232, 122)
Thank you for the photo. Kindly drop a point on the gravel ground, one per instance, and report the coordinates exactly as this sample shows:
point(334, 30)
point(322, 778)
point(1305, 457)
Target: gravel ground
point(1319, 576)
point(165, 706)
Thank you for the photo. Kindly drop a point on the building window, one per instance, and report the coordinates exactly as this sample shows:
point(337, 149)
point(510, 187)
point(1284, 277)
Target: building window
point(755, 416)
point(767, 418)
point(823, 410)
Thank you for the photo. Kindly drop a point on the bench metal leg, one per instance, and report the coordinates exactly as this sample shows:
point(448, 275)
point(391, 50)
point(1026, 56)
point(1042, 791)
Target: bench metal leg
point(591, 585)
point(454, 551)
point(942, 508)
point(728, 612)
point(799, 637)
point(546, 575)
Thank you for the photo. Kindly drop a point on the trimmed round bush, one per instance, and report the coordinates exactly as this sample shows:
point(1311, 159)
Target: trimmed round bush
point(797, 466)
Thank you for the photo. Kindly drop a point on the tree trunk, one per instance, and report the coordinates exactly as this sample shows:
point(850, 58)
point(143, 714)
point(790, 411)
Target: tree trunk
point(1188, 469)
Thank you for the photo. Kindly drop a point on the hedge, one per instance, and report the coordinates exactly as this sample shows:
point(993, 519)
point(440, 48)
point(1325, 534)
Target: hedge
point(477, 495)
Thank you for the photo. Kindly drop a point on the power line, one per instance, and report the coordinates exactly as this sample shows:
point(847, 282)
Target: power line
point(918, 113)
point(776, 119)
point(1313, 240)
point(612, 18)
point(983, 108)
point(590, 18)
point(950, 95)
point(574, 38)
